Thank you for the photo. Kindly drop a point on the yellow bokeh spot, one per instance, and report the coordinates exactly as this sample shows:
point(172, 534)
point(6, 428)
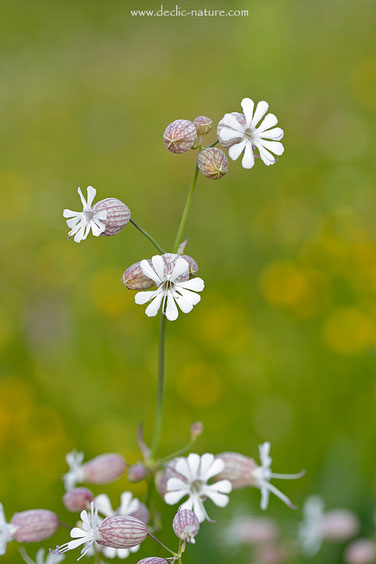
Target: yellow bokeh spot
point(349, 331)
point(109, 294)
point(363, 82)
point(18, 195)
point(226, 326)
point(57, 265)
point(199, 384)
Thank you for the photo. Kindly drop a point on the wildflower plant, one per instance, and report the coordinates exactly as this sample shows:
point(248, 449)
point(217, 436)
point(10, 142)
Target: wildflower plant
point(167, 283)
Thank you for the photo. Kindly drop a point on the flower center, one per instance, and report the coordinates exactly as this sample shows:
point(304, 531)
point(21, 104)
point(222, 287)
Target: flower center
point(196, 486)
point(88, 215)
point(248, 133)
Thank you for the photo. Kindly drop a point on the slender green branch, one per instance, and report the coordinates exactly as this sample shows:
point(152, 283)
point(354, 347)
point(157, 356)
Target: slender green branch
point(179, 452)
point(161, 385)
point(161, 543)
point(186, 209)
point(214, 144)
point(148, 236)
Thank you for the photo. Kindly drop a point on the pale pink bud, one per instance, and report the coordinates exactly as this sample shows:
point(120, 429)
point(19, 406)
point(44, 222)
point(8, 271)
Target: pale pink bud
point(339, 524)
point(213, 163)
point(186, 525)
point(137, 472)
point(142, 513)
point(134, 279)
point(78, 499)
point(122, 531)
point(118, 215)
point(361, 551)
point(104, 468)
point(152, 560)
point(180, 136)
point(252, 530)
point(34, 525)
point(203, 125)
point(197, 429)
point(228, 143)
point(238, 469)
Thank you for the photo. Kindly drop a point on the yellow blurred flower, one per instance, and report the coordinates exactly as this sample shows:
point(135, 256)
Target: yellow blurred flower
point(108, 293)
point(363, 82)
point(199, 384)
point(349, 331)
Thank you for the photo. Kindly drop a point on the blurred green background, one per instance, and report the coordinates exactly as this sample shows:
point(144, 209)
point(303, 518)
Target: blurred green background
point(282, 346)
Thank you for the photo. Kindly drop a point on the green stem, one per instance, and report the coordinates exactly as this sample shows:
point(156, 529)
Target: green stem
point(186, 209)
point(214, 144)
point(148, 236)
point(161, 543)
point(161, 385)
point(177, 453)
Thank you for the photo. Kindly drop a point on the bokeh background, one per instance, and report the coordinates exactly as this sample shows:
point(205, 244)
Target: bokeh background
point(282, 346)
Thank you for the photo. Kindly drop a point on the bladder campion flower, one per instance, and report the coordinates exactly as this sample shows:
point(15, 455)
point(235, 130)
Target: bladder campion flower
point(87, 534)
point(240, 132)
point(195, 471)
point(102, 469)
point(81, 223)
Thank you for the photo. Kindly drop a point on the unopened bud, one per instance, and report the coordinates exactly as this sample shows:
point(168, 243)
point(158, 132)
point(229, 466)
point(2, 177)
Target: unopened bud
point(34, 525)
point(142, 513)
point(238, 469)
point(203, 125)
point(213, 163)
point(186, 525)
point(361, 551)
point(104, 468)
point(197, 429)
point(251, 530)
point(134, 279)
point(122, 531)
point(339, 524)
point(118, 215)
point(152, 560)
point(180, 136)
point(78, 499)
point(137, 472)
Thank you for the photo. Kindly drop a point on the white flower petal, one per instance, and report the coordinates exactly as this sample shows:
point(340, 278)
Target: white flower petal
point(207, 460)
point(143, 297)
point(248, 107)
point(194, 461)
point(150, 272)
point(223, 486)
point(188, 504)
point(276, 134)
point(97, 228)
point(195, 284)
point(80, 235)
point(171, 311)
point(158, 264)
point(183, 468)
point(273, 146)
point(83, 201)
point(261, 109)
point(70, 213)
point(101, 214)
point(198, 509)
point(248, 159)
point(236, 150)
point(102, 502)
point(212, 467)
point(269, 121)
point(181, 267)
point(74, 221)
point(218, 498)
point(229, 122)
point(266, 157)
point(155, 304)
point(173, 497)
point(185, 305)
point(91, 192)
point(191, 297)
point(174, 484)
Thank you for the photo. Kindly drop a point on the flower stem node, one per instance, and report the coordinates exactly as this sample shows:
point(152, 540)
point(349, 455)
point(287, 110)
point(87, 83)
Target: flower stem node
point(213, 163)
point(197, 428)
point(34, 525)
point(117, 215)
point(121, 531)
point(203, 125)
point(152, 560)
point(180, 136)
point(78, 499)
point(186, 525)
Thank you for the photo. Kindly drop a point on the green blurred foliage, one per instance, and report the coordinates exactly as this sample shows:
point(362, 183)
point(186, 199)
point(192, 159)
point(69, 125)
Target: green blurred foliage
point(282, 346)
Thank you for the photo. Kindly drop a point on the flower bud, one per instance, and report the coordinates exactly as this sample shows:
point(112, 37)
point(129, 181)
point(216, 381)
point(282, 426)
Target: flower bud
point(361, 551)
point(78, 499)
point(137, 472)
point(197, 429)
point(238, 469)
point(180, 136)
point(122, 531)
point(251, 530)
point(34, 525)
point(134, 279)
point(152, 560)
point(203, 125)
point(186, 525)
point(213, 163)
point(118, 215)
point(339, 525)
point(104, 468)
point(142, 513)
point(240, 118)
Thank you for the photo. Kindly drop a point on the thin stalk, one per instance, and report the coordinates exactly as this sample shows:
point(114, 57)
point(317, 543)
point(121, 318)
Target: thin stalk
point(161, 543)
point(177, 453)
point(161, 385)
point(147, 236)
point(186, 209)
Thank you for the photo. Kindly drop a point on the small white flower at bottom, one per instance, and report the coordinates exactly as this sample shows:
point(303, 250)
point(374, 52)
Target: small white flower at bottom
point(87, 534)
point(51, 558)
point(81, 223)
point(171, 289)
point(195, 471)
point(263, 475)
point(6, 531)
point(310, 532)
point(75, 475)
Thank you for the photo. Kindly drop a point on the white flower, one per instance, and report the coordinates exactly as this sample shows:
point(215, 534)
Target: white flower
point(195, 471)
point(52, 557)
point(128, 505)
point(75, 475)
point(241, 132)
point(87, 534)
point(171, 289)
point(82, 222)
point(263, 475)
point(6, 531)
point(310, 532)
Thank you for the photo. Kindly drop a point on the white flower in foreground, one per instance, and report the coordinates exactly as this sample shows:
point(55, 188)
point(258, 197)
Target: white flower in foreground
point(87, 534)
point(75, 475)
point(195, 471)
point(6, 531)
point(241, 132)
point(128, 506)
point(51, 558)
point(172, 288)
point(263, 475)
point(310, 532)
point(82, 222)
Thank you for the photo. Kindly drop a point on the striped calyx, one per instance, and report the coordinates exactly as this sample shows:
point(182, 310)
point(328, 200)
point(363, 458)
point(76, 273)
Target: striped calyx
point(213, 163)
point(118, 215)
point(180, 136)
point(122, 531)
